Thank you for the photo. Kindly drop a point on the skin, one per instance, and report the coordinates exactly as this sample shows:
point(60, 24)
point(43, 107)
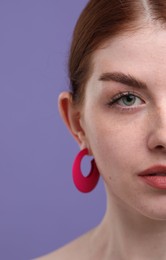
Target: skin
point(125, 139)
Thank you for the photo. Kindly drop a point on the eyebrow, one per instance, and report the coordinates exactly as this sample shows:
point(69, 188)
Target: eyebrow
point(123, 79)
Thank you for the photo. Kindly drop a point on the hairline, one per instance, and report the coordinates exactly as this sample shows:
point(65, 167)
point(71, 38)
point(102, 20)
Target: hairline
point(132, 27)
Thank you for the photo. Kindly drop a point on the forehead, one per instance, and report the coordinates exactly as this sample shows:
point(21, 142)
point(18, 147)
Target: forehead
point(137, 52)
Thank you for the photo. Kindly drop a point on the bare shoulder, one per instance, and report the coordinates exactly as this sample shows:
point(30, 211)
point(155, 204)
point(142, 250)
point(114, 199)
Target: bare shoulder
point(77, 249)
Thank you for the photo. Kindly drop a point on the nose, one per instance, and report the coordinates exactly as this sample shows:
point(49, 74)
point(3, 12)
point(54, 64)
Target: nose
point(157, 133)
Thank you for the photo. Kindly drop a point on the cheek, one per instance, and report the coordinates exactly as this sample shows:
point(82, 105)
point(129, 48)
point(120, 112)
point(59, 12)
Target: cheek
point(114, 145)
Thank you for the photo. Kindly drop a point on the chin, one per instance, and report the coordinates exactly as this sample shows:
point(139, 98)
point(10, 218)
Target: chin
point(155, 213)
point(157, 216)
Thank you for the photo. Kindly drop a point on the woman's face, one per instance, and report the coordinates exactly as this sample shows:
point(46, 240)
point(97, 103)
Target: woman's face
point(124, 116)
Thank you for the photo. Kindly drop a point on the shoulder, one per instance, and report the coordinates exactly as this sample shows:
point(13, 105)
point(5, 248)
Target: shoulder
point(77, 249)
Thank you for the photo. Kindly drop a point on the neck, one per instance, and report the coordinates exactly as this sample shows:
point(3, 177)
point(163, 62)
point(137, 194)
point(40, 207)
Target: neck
point(128, 235)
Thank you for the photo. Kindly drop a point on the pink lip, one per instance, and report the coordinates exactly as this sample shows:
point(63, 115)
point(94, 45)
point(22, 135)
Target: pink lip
point(157, 181)
point(154, 169)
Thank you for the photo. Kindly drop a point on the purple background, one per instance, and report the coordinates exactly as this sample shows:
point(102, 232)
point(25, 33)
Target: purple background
point(40, 209)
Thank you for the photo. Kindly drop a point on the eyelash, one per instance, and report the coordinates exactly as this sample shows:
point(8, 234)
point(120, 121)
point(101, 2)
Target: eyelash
point(119, 96)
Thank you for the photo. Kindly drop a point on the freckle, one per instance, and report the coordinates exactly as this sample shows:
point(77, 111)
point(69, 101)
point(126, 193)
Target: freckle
point(110, 177)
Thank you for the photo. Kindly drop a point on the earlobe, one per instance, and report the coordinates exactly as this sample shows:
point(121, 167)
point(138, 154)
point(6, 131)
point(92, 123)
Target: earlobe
point(71, 117)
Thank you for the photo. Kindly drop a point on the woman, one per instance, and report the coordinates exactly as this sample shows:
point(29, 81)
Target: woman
point(116, 111)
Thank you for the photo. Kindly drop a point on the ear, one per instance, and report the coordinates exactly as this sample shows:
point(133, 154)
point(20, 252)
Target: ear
point(71, 115)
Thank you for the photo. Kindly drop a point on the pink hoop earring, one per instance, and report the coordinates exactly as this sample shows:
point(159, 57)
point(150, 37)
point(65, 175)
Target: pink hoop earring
point(84, 184)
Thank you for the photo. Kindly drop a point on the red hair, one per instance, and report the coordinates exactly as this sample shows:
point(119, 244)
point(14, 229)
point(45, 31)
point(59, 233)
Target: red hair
point(100, 20)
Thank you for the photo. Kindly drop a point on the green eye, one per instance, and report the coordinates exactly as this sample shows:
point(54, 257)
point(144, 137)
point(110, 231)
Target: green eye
point(127, 100)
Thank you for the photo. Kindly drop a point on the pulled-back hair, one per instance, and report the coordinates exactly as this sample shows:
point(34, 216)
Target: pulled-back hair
point(99, 21)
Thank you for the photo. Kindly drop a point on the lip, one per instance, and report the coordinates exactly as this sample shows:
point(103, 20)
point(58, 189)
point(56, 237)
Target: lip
point(153, 176)
point(157, 169)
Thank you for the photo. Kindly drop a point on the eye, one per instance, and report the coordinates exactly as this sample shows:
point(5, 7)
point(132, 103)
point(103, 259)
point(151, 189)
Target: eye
point(129, 100)
point(126, 100)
